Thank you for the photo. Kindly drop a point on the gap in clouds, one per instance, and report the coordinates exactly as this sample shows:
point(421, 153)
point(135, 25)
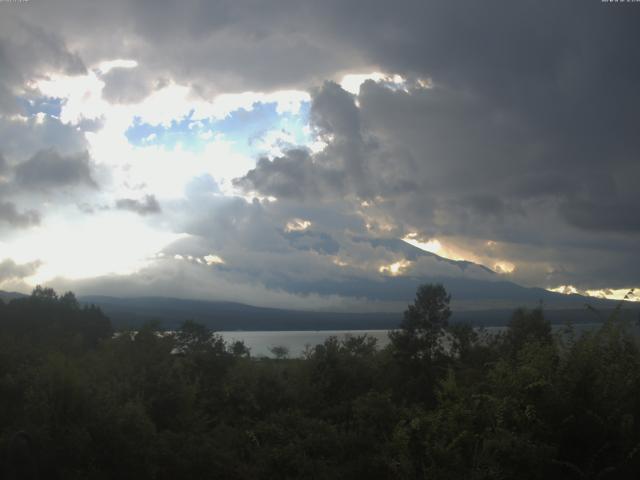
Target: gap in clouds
point(259, 131)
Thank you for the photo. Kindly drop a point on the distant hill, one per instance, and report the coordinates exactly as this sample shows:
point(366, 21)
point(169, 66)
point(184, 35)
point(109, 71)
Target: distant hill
point(479, 296)
point(171, 312)
point(473, 287)
point(228, 316)
point(8, 296)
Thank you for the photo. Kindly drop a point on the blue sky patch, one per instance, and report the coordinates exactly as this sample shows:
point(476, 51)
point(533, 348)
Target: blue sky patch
point(247, 130)
point(48, 105)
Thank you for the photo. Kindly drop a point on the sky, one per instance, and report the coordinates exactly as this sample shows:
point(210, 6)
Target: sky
point(285, 153)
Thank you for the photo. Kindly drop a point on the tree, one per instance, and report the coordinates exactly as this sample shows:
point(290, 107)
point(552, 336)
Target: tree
point(280, 352)
point(423, 324)
point(528, 326)
point(417, 347)
point(69, 301)
point(44, 295)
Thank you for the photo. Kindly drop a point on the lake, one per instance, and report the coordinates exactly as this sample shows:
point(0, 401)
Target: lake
point(295, 341)
point(260, 342)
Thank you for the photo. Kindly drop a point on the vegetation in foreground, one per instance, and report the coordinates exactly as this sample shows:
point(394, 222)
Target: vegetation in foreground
point(440, 402)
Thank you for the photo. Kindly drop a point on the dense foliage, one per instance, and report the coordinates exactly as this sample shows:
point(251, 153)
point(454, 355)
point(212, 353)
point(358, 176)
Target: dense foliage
point(440, 402)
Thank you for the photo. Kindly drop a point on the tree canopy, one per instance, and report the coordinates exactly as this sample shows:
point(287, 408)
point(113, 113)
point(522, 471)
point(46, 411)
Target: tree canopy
point(441, 401)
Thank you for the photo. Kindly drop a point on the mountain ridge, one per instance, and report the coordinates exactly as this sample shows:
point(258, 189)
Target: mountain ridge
point(170, 312)
point(488, 299)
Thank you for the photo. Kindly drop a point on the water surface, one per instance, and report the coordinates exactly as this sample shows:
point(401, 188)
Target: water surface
point(260, 342)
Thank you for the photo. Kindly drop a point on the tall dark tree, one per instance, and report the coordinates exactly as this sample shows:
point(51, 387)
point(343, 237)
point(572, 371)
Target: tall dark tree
point(528, 326)
point(423, 324)
point(418, 345)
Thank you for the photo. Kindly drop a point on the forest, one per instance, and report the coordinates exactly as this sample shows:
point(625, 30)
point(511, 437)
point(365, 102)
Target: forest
point(442, 401)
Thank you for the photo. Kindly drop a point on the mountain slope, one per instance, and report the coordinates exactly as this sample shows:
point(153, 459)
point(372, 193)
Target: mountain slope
point(171, 312)
point(479, 296)
point(8, 296)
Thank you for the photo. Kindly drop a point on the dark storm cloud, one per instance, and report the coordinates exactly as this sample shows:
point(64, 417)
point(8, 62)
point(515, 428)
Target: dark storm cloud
point(445, 163)
point(149, 205)
point(49, 170)
point(604, 215)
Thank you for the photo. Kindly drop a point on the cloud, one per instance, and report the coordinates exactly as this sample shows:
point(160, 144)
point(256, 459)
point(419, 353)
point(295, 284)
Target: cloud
point(503, 131)
point(445, 165)
point(604, 215)
point(59, 179)
point(220, 47)
point(321, 242)
point(48, 170)
point(11, 215)
point(334, 112)
point(22, 137)
point(28, 51)
point(10, 270)
point(339, 169)
point(129, 85)
point(293, 175)
point(147, 206)
point(203, 281)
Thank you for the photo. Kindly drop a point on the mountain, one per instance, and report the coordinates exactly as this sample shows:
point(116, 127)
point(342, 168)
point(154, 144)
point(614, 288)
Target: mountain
point(479, 296)
point(229, 316)
point(171, 312)
point(6, 297)
point(413, 253)
point(473, 287)
point(225, 316)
